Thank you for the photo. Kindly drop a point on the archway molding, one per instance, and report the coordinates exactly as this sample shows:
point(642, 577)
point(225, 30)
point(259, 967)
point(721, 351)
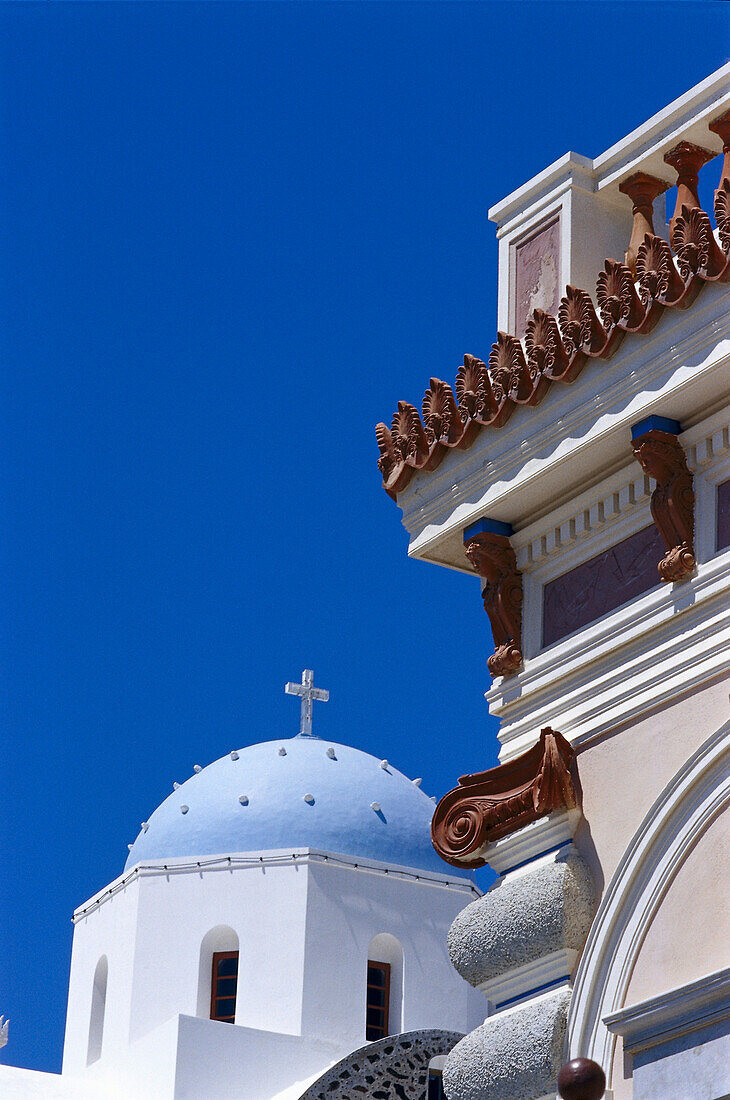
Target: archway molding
point(690, 802)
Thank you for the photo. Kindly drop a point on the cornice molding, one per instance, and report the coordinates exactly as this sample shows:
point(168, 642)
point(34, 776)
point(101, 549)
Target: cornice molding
point(485, 481)
point(525, 981)
point(684, 1009)
point(556, 349)
point(622, 666)
point(284, 857)
point(600, 508)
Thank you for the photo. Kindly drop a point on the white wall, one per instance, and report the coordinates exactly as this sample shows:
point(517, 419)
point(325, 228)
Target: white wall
point(303, 929)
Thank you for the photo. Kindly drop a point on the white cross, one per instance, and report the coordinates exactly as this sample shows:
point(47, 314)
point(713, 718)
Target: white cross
point(308, 693)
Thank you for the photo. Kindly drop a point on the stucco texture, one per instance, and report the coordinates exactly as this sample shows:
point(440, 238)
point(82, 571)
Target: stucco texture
point(516, 1055)
point(523, 918)
point(623, 773)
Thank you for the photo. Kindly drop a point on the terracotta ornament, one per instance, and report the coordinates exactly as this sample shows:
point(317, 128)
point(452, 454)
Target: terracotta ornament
point(494, 559)
point(495, 803)
point(686, 159)
point(479, 402)
point(631, 298)
point(642, 189)
point(721, 127)
point(581, 1079)
point(662, 457)
point(441, 415)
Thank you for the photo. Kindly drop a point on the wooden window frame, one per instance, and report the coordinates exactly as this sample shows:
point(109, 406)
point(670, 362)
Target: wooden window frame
point(217, 956)
point(385, 967)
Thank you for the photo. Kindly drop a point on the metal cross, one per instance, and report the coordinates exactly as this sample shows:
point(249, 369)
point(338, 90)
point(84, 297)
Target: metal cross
point(308, 693)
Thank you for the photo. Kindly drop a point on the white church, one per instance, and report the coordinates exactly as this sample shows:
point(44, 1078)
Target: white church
point(297, 920)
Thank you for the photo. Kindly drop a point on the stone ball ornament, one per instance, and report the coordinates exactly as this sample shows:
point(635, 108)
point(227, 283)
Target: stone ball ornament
point(581, 1079)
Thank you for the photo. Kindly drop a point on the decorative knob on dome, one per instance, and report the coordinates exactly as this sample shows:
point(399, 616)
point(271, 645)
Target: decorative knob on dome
point(581, 1079)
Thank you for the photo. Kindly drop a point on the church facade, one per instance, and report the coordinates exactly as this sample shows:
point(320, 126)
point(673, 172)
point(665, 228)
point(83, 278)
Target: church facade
point(583, 473)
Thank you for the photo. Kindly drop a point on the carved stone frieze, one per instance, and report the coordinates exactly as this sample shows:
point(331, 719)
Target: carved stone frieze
point(494, 803)
point(494, 559)
point(662, 457)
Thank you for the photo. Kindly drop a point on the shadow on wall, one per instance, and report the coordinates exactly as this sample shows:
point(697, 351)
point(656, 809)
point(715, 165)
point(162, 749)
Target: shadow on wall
point(98, 1008)
point(385, 948)
point(220, 938)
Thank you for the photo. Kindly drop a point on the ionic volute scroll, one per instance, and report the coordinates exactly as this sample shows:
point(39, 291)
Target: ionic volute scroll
point(662, 457)
point(492, 557)
point(490, 805)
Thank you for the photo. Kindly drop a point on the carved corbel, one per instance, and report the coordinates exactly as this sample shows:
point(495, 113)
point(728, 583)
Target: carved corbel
point(492, 557)
point(642, 189)
point(492, 804)
point(661, 456)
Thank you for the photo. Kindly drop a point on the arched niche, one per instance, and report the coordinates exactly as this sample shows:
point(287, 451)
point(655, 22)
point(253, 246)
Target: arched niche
point(220, 938)
point(98, 1010)
point(385, 948)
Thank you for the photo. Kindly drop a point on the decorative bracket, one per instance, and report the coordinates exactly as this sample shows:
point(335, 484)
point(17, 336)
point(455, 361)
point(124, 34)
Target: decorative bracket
point(487, 546)
point(492, 804)
point(661, 456)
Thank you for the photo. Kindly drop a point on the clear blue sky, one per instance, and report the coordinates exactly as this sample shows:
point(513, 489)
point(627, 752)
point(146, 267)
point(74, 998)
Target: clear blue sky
point(232, 237)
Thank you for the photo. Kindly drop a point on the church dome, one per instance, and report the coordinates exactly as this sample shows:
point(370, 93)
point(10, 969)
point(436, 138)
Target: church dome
point(301, 792)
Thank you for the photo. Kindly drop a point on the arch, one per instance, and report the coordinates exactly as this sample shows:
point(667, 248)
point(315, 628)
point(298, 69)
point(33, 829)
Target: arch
point(697, 794)
point(385, 948)
point(220, 938)
point(98, 1010)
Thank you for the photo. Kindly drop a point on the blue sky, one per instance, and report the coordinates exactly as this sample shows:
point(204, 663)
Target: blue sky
point(233, 236)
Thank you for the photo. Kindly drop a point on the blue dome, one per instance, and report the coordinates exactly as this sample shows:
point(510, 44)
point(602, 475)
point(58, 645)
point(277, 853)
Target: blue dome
point(295, 793)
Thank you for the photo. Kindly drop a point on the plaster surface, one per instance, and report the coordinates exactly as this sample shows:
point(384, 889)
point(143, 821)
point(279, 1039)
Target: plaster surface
point(524, 917)
point(515, 1055)
point(294, 792)
point(640, 759)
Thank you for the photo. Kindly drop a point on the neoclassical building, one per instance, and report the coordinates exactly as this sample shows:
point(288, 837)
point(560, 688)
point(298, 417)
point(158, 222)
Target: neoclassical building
point(582, 471)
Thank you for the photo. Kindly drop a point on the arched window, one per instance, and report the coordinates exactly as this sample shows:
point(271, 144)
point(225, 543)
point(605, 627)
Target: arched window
point(218, 974)
point(98, 1007)
point(384, 988)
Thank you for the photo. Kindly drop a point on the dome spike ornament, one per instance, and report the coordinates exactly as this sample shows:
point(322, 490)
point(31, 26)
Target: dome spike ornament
point(308, 694)
point(197, 768)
